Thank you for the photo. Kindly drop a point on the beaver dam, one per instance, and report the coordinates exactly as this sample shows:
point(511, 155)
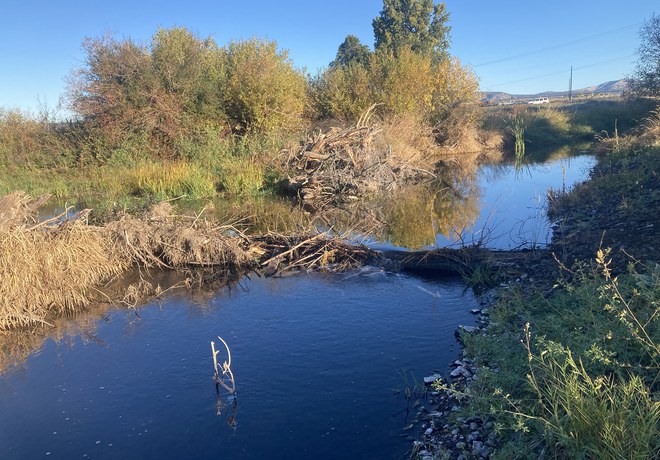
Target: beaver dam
point(106, 328)
point(61, 265)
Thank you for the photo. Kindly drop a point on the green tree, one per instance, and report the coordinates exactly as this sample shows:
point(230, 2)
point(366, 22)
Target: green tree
point(351, 51)
point(646, 77)
point(414, 24)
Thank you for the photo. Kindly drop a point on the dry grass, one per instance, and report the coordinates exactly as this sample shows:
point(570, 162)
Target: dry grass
point(47, 269)
point(647, 135)
point(57, 267)
point(167, 240)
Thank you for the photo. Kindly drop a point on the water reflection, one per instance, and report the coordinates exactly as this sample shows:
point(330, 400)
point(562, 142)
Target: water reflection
point(500, 206)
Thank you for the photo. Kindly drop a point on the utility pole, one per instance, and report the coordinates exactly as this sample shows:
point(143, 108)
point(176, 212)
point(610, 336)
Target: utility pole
point(570, 86)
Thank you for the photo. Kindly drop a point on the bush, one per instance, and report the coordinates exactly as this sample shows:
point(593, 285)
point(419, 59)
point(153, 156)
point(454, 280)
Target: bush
point(455, 101)
point(181, 86)
point(406, 84)
point(263, 92)
point(342, 92)
point(402, 83)
point(30, 141)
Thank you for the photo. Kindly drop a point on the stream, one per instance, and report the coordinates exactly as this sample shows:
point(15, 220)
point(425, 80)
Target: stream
point(322, 362)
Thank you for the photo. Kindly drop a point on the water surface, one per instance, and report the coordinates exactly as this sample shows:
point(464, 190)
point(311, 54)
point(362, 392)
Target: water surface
point(317, 360)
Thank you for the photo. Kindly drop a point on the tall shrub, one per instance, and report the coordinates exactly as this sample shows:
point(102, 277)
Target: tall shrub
point(455, 101)
point(263, 92)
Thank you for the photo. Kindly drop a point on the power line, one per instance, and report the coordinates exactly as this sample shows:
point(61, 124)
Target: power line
point(543, 50)
point(562, 71)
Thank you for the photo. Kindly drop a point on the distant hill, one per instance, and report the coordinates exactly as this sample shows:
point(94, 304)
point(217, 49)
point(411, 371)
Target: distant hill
point(611, 87)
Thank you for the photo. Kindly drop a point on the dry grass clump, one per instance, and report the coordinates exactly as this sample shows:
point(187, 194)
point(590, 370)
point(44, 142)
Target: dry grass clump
point(47, 269)
point(166, 240)
point(647, 135)
point(17, 208)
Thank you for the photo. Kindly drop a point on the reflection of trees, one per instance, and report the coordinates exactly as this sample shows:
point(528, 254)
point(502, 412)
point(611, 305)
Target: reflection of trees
point(457, 209)
point(410, 217)
point(417, 214)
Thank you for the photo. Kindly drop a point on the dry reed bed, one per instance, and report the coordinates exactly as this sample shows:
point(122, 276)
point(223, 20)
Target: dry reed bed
point(57, 267)
point(48, 268)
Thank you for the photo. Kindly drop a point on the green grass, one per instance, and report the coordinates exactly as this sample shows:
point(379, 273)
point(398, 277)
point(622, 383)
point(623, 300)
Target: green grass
point(591, 390)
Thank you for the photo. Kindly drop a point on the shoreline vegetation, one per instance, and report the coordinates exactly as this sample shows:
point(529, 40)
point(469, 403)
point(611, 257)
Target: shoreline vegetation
point(564, 361)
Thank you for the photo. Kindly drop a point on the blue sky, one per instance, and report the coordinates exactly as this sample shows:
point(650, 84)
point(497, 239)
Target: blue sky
point(534, 42)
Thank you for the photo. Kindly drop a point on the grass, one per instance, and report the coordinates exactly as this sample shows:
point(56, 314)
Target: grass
point(47, 272)
point(587, 343)
point(591, 390)
point(548, 128)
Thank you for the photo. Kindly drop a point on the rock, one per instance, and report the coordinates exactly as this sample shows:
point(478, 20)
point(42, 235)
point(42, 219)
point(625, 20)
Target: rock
point(475, 311)
point(428, 431)
point(466, 373)
point(432, 378)
point(460, 445)
point(476, 447)
point(454, 431)
point(484, 452)
point(458, 371)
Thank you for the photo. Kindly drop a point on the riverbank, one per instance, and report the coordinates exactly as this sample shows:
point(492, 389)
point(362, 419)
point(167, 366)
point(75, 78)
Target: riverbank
point(563, 361)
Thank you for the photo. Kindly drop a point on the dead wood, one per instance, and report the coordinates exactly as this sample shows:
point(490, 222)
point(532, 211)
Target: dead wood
point(340, 165)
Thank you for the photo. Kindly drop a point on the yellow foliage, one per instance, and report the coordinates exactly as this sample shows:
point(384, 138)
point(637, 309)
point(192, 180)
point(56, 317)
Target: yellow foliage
point(403, 84)
point(264, 92)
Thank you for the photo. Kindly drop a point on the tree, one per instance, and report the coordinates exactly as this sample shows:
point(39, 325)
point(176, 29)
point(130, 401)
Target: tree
point(351, 51)
point(646, 77)
point(414, 24)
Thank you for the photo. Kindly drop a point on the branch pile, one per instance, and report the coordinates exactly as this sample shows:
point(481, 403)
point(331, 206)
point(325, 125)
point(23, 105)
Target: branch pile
point(278, 253)
point(341, 165)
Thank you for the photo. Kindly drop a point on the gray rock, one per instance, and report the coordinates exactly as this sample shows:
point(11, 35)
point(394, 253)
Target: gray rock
point(473, 426)
point(428, 431)
point(432, 378)
point(477, 446)
point(475, 311)
point(484, 452)
point(466, 373)
point(460, 445)
point(458, 371)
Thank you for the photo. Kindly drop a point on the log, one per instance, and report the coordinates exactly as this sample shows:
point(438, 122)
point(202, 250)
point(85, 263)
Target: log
point(451, 261)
